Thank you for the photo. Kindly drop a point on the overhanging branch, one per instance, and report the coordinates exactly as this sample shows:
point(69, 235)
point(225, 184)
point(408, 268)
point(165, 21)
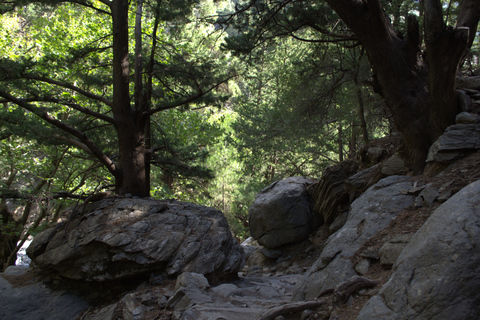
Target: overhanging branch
point(40, 112)
point(189, 99)
point(71, 87)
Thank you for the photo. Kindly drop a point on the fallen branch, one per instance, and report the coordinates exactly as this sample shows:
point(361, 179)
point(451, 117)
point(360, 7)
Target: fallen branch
point(344, 290)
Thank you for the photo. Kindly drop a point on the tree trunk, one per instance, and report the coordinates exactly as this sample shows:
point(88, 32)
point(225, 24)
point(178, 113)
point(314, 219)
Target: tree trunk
point(468, 17)
point(400, 74)
point(445, 47)
point(403, 76)
point(130, 124)
point(132, 180)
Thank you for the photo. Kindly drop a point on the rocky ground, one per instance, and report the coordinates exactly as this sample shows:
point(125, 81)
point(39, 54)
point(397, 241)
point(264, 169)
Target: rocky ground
point(447, 179)
point(451, 178)
point(260, 290)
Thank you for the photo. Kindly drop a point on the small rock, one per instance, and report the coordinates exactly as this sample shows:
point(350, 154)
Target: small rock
point(464, 100)
point(191, 278)
point(394, 166)
point(466, 117)
point(148, 299)
point(270, 253)
point(362, 266)
point(418, 202)
point(338, 222)
point(162, 301)
point(185, 297)
point(445, 196)
point(225, 290)
point(429, 195)
point(370, 253)
point(416, 190)
point(391, 249)
point(250, 242)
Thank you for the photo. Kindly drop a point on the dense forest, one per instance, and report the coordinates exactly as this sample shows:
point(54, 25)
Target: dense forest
point(210, 101)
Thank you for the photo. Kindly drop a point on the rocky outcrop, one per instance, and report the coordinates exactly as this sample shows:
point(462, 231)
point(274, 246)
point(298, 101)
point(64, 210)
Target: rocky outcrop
point(457, 141)
point(370, 213)
point(122, 238)
point(437, 275)
point(23, 297)
point(281, 213)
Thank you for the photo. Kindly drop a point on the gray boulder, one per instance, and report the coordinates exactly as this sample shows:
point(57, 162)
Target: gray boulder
point(370, 213)
point(281, 213)
point(21, 297)
point(437, 275)
point(468, 82)
point(458, 140)
point(120, 238)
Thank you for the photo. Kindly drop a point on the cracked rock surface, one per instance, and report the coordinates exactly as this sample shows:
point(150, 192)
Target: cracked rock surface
point(121, 238)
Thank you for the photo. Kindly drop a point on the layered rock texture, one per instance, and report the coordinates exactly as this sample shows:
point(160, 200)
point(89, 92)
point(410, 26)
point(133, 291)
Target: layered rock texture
point(370, 213)
point(120, 238)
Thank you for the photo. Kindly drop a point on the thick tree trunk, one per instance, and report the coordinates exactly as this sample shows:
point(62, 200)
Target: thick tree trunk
point(130, 124)
point(468, 17)
point(132, 180)
point(421, 98)
point(445, 47)
point(400, 73)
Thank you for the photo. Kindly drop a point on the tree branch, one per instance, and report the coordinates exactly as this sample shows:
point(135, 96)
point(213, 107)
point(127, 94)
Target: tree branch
point(72, 87)
point(77, 107)
point(40, 112)
point(189, 99)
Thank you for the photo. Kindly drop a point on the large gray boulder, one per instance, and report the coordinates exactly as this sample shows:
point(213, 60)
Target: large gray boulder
point(437, 275)
point(281, 213)
point(370, 213)
point(119, 238)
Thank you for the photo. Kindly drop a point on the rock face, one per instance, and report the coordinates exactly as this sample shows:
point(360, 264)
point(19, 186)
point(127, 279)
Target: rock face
point(28, 299)
point(437, 275)
point(370, 213)
point(458, 140)
point(281, 213)
point(120, 238)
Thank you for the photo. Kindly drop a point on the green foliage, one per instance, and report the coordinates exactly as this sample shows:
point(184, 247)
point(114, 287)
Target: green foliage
point(9, 229)
point(217, 139)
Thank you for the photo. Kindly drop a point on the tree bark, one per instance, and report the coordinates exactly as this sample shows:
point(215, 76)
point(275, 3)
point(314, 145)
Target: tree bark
point(130, 125)
point(445, 47)
point(401, 75)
